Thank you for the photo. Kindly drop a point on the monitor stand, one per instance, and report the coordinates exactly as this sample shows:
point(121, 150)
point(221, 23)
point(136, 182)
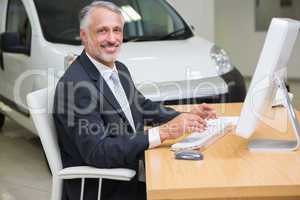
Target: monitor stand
point(280, 145)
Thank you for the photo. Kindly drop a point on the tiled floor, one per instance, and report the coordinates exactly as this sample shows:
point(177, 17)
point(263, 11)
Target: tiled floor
point(23, 172)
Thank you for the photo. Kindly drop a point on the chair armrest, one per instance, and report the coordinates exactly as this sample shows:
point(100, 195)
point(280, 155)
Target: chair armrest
point(92, 172)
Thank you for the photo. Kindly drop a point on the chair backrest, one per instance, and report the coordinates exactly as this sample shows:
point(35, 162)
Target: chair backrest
point(40, 105)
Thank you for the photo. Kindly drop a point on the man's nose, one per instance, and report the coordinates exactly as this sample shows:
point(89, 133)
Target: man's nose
point(112, 37)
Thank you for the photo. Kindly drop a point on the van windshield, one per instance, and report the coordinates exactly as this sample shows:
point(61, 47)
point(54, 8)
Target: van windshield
point(146, 20)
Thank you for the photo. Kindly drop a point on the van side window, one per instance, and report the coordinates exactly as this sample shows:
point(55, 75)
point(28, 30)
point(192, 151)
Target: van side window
point(162, 22)
point(18, 24)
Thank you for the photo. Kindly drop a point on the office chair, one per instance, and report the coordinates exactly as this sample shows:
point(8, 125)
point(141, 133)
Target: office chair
point(40, 105)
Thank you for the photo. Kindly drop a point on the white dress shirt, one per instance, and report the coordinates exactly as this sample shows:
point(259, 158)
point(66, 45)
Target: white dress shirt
point(105, 71)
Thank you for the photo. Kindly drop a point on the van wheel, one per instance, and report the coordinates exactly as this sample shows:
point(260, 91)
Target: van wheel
point(2, 120)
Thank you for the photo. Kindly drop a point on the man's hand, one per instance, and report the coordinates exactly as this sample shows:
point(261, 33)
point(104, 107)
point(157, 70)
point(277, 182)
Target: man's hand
point(185, 122)
point(204, 111)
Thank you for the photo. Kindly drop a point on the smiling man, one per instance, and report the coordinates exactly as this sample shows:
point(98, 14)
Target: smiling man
point(100, 115)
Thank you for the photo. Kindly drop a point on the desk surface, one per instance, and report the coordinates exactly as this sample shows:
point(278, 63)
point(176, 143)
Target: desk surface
point(228, 169)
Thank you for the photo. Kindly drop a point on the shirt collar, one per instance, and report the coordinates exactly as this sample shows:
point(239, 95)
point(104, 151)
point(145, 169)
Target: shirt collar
point(104, 70)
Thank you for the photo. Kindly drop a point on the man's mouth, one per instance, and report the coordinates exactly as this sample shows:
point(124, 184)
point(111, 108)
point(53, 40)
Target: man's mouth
point(110, 48)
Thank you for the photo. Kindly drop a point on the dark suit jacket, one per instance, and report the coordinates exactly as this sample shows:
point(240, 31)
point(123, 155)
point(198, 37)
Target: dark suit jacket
point(93, 130)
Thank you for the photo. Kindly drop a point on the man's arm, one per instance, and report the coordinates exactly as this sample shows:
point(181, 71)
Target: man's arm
point(169, 123)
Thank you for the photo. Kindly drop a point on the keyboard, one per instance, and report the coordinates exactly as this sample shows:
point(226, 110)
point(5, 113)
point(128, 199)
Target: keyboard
point(216, 128)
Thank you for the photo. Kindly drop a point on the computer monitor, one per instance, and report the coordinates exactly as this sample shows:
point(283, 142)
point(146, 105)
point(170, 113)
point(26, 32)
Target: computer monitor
point(269, 77)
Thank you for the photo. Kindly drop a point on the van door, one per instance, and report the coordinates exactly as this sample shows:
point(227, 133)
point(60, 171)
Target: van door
point(16, 48)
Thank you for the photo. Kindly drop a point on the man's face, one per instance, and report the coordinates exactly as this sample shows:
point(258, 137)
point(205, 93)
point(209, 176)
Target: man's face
point(104, 37)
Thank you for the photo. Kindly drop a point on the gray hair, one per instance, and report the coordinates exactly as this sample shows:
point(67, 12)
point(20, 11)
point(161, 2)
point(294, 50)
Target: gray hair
point(84, 15)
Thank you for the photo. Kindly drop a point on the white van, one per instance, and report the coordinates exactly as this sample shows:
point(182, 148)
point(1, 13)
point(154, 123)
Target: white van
point(168, 62)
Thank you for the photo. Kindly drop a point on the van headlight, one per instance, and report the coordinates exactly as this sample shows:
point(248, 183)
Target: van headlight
point(220, 57)
point(68, 60)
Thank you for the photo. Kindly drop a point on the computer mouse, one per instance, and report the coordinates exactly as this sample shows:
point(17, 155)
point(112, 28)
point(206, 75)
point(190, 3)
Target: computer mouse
point(188, 155)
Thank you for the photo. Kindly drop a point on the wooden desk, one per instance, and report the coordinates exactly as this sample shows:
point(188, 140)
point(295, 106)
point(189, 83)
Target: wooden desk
point(229, 170)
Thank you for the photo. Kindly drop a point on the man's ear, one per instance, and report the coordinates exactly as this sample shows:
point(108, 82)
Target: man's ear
point(83, 35)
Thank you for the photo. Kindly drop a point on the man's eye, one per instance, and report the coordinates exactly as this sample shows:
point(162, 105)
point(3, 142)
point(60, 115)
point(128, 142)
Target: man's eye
point(101, 31)
point(117, 30)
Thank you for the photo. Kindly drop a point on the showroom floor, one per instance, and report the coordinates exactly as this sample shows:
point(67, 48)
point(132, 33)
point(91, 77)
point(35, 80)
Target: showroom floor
point(23, 172)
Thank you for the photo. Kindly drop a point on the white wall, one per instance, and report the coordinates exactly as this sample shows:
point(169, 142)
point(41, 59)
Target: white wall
point(235, 31)
point(199, 13)
point(271, 8)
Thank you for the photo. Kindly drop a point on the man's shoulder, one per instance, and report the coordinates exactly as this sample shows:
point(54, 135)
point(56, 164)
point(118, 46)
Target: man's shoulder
point(75, 82)
point(74, 73)
point(75, 77)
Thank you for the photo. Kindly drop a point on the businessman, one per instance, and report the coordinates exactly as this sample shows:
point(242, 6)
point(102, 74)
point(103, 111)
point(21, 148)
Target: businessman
point(100, 115)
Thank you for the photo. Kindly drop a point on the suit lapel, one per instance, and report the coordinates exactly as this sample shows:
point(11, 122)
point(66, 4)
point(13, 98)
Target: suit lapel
point(101, 84)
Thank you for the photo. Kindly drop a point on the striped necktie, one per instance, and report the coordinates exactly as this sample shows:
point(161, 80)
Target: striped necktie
point(121, 98)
